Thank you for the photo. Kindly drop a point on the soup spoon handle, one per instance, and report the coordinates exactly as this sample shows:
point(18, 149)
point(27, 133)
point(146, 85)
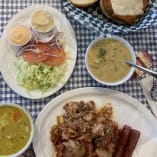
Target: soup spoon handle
point(153, 73)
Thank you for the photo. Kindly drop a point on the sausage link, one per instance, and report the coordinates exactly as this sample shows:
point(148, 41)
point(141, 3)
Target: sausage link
point(132, 142)
point(123, 138)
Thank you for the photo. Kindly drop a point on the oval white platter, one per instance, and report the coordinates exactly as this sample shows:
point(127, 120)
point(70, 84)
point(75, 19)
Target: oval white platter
point(126, 110)
point(7, 60)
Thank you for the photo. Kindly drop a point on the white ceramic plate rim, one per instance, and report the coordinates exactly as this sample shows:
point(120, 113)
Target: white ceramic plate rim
point(5, 70)
point(58, 102)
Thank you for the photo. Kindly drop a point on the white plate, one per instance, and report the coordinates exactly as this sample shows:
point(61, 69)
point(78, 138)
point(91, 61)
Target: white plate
point(8, 69)
point(126, 110)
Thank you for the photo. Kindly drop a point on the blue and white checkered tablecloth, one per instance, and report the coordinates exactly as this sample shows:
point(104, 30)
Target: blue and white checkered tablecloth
point(145, 39)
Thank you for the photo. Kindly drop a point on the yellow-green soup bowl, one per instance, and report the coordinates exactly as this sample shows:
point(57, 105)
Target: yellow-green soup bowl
point(105, 60)
point(16, 130)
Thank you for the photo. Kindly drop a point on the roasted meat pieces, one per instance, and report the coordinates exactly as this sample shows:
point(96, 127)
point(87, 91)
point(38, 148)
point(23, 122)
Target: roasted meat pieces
point(84, 131)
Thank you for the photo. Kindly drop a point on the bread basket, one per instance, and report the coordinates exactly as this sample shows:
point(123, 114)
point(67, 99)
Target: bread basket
point(93, 18)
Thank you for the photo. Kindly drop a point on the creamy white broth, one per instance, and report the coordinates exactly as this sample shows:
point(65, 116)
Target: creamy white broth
point(106, 60)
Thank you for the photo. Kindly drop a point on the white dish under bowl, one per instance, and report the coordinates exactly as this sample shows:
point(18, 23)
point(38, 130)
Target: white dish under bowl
point(8, 55)
point(131, 50)
point(123, 106)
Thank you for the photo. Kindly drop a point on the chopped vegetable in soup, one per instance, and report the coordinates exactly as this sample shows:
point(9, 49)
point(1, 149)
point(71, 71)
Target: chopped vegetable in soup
point(15, 129)
point(106, 60)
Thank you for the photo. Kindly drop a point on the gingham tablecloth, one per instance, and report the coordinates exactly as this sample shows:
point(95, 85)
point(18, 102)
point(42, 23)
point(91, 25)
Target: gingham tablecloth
point(145, 39)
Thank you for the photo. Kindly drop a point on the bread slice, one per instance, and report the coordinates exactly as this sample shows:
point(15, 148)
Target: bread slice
point(144, 59)
point(107, 9)
point(83, 3)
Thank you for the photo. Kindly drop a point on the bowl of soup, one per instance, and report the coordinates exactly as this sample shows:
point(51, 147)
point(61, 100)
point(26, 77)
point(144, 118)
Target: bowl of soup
point(16, 130)
point(105, 60)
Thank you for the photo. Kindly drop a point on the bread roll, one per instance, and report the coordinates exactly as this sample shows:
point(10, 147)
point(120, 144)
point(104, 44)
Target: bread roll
point(83, 3)
point(124, 11)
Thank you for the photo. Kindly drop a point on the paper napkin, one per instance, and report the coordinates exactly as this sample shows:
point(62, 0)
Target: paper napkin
point(146, 85)
point(147, 148)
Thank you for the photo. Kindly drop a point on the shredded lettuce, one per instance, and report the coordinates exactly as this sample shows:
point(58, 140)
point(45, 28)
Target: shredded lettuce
point(38, 76)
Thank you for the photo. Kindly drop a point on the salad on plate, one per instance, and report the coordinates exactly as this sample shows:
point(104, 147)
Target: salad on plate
point(39, 51)
point(41, 63)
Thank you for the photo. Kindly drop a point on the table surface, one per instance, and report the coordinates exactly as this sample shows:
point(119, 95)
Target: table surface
point(145, 39)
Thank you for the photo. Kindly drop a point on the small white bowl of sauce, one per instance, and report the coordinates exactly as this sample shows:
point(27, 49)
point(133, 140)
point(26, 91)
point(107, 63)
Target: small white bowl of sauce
point(105, 60)
point(42, 21)
point(16, 130)
point(19, 35)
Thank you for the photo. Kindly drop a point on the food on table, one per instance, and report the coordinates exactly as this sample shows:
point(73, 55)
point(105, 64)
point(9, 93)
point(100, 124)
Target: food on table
point(54, 61)
point(49, 51)
point(43, 63)
point(83, 3)
point(131, 144)
point(83, 130)
point(15, 130)
point(143, 58)
point(44, 49)
point(124, 135)
point(47, 55)
point(38, 76)
point(42, 21)
point(19, 35)
point(127, 142)
point(124, 11)
point(105, 60)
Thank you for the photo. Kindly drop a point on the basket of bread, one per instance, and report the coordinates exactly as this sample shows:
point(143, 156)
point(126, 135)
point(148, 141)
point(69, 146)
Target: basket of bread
point(113, 16)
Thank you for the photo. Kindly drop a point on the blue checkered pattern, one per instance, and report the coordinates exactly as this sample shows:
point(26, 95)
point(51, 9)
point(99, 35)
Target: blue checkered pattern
point(93, 18)
point(143, 39)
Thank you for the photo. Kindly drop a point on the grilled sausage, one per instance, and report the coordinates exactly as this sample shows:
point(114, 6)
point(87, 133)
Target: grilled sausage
point(124, 136)
point(131, 144)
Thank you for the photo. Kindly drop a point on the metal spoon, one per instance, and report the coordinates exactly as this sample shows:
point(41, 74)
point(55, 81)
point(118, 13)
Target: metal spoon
point(153, 91)
point(153, 73)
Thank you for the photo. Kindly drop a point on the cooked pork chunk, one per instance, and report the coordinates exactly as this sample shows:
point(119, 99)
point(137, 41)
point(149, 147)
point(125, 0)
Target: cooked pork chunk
point(85, 131)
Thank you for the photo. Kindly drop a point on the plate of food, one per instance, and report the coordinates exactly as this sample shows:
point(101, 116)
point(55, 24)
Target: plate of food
point(113, 16)
point(38, 51)
point(95, 122)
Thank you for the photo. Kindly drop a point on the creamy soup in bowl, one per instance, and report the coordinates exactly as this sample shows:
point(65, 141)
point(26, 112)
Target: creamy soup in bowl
point(16, 130)
point(105, 60)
